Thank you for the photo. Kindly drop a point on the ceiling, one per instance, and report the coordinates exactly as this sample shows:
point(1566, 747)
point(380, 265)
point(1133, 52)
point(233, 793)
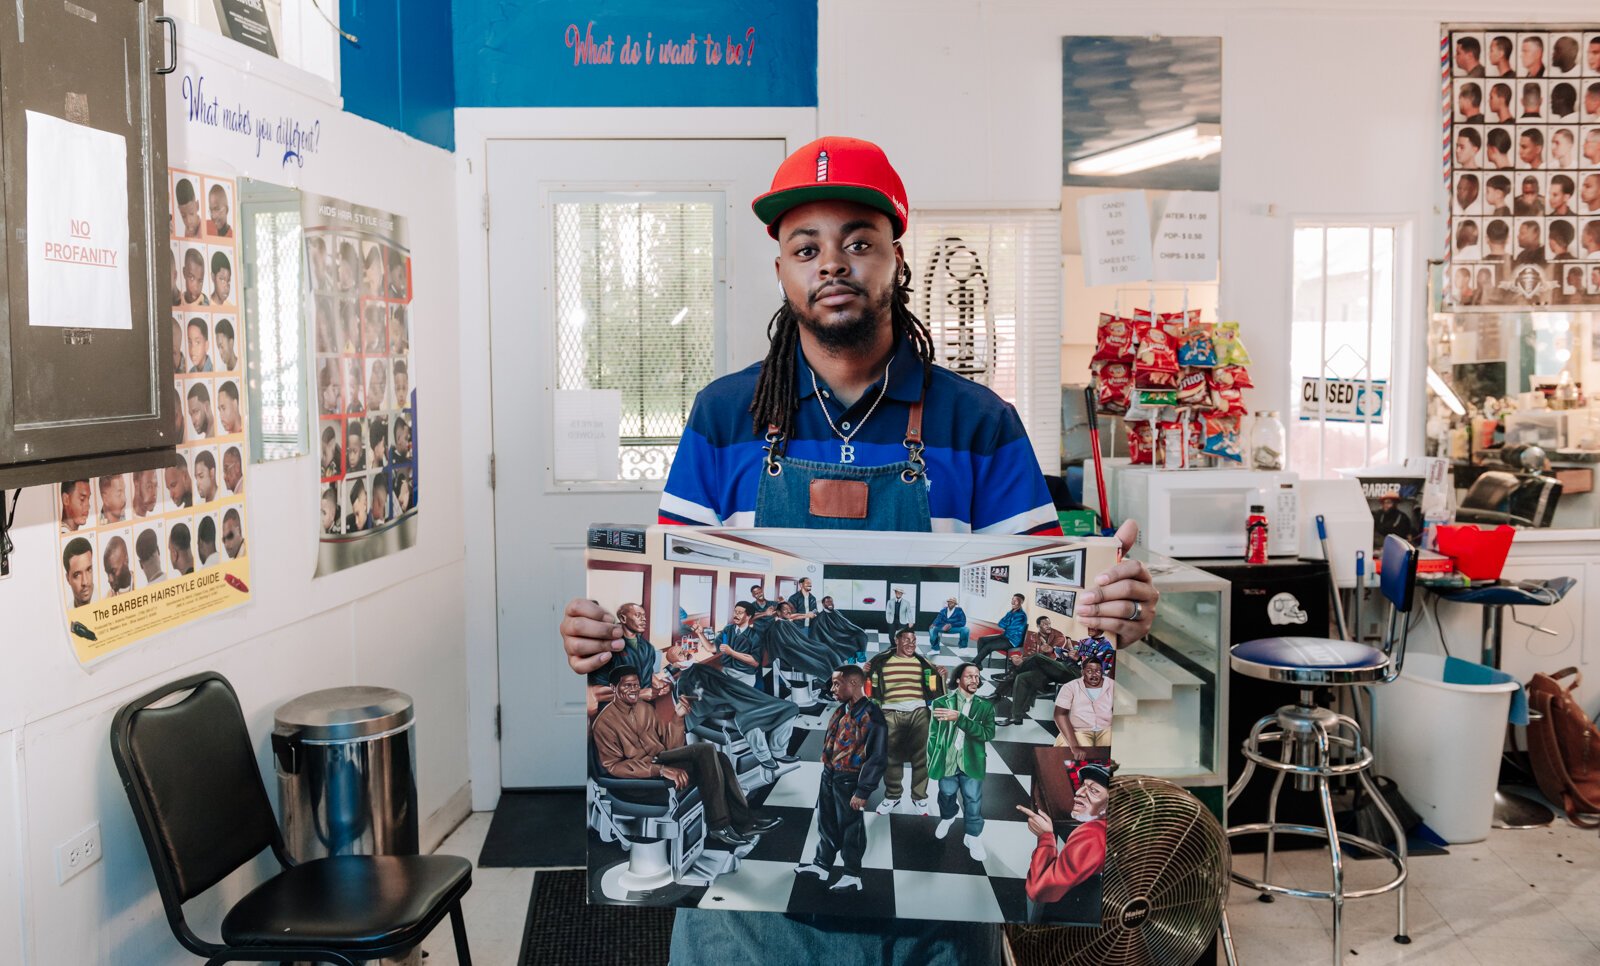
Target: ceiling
point(1117, 90)
point(885, 550)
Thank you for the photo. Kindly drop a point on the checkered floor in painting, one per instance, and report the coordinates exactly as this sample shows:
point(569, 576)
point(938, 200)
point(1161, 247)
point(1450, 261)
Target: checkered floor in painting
point(907, 872)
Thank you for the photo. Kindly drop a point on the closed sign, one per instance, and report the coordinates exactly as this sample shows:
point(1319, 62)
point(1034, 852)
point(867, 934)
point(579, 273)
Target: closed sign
point(1342, 400)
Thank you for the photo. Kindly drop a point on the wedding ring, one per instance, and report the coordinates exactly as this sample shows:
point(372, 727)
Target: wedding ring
point(1138, 609)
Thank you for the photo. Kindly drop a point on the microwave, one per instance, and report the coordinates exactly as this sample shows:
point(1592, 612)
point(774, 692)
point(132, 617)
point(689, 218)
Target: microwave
point(1202, 512)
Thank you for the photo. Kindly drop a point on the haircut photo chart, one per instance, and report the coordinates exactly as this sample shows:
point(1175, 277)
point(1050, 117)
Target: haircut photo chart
point(830, 723)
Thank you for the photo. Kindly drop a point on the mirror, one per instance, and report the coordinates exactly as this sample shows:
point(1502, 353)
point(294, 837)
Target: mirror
point(269, 235)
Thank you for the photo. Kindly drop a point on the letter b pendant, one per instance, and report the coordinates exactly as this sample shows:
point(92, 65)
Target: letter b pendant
point(847, 453)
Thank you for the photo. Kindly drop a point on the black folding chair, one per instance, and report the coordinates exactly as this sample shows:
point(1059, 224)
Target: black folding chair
point(191, 778)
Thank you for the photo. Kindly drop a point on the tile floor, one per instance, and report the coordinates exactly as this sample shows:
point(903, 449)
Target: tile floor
point(1530, 897)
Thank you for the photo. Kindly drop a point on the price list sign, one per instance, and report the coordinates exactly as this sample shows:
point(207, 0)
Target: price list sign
point(1116, 238)
point(1185, 247)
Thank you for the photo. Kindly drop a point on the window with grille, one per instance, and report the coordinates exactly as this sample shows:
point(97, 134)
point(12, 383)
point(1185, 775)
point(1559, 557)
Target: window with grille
point(988, 284)
point(272, 256)
point(1344, 325)
point(637, 297)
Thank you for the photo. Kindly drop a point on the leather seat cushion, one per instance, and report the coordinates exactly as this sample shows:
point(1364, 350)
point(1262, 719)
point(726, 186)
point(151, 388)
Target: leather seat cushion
point(1309, 652)
point(345, 901)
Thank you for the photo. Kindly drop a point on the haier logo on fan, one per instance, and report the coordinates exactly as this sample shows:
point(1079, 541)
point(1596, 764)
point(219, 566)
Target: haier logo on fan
point(1285, 608)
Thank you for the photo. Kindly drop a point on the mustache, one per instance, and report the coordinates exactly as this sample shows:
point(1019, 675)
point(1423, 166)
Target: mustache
point(821, 290)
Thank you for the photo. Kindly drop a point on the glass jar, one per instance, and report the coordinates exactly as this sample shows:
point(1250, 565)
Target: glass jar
point(1267, 442)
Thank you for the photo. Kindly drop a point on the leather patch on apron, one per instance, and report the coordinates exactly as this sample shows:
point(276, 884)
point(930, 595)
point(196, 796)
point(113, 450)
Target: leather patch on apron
point(840, 499)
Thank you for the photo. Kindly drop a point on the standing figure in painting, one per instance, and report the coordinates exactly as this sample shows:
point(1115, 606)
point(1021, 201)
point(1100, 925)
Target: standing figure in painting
point(898, 613)
point(952, 619)
point(1070, 852)
point(958, 755)
point(904, 682)
point(804, 603)
point(852, 765)
point(739, 646)
point(1083, 710)
point(639, 654)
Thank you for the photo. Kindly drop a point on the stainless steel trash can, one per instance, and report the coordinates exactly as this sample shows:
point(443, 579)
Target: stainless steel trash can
point(346, 763)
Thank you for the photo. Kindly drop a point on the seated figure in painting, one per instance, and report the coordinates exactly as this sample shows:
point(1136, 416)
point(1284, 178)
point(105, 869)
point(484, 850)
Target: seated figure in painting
point(1071, 848)
point(1045, 660)
point(843, 639)
point(1084, 709)
point(786, 640)
point(764, 721)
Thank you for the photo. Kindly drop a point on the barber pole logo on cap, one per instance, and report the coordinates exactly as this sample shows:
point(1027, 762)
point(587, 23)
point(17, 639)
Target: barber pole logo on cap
point(822, 166)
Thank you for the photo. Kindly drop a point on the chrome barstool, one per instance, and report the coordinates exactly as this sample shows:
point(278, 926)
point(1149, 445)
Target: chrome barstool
point(1307, 734)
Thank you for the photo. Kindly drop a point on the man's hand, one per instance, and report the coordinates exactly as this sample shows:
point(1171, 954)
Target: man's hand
point(725, 651)
point(677, 776)
point(590, 635)
point(1038, 824)
point(946, 714)
point(662, 683)
point(858, 803)
point(598, 694)
point(1016, 658)
point(683, 706)
point(1106, 609)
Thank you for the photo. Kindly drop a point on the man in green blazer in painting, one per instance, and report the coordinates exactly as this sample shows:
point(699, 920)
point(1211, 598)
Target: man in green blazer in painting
point(958, 754)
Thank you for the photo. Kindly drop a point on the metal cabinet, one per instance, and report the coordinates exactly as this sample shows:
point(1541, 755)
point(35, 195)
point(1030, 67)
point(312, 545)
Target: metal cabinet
point(79, 401)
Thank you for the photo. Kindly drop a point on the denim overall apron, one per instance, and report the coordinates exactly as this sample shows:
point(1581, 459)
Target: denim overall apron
point(807, 494)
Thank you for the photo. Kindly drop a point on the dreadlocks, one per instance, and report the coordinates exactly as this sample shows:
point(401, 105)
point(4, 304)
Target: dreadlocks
point(775, 403)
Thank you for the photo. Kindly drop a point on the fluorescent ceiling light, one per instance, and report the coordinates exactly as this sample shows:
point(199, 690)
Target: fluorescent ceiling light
point(1185, 144)
point(1444, 392)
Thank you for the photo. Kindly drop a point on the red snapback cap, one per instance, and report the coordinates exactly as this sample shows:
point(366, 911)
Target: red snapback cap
point(833, 167)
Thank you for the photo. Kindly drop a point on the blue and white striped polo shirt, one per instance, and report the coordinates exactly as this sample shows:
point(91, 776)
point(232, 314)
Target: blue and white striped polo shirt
point(982, 473)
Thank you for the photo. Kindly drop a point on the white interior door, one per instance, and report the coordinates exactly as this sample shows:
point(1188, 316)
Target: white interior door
point(634, 267)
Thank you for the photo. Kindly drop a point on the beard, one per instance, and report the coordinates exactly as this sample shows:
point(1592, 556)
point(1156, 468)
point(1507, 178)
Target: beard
point(847, 332)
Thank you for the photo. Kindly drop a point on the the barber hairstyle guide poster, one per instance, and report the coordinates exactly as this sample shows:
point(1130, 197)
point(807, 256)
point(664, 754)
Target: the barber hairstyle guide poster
point(816, 723)
point(148, 551)
point(1521, 157)
point(358, 304)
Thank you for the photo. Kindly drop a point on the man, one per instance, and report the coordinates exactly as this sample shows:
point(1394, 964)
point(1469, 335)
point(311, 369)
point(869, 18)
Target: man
point(1469, 104)
point(758, 604)
point(75, 499)
point(1591, 147)
point(147, 547)
point(1498, 148)
point(180, 488)
point(632, 741)
point(1561, 235)
point(77, 561)
point(221, 278)
point(232, 534)
point(1590, 195)
point(738, 644)
point(1532, 57)
point(1061, 862)
point(194, 278)
point(1468, 143)
point(1013, 627)
point(903, 683)
point(1562, 146)
point(637, 653)
point(146, 493)
point(1469, 54)
point(199, 399)
point(178, 549)
point(1500, 57)
point(958, 755)
point(1467, 240)
point(1530, 241)
point(1563, 103)
point(233, 471)
point(1466, 192)
point(1564, 54)
point(839, 633)
point(1591, 238)
point(845, 321)
point(853, 761)
point(188, 207)
point(1594, 55)
point(953, 620)
point(358, 519)
point(1530, 148)
point(1495, 189)
point(1084, 709)
point(1500, 105)
point(217, 201)
point(1045, 664)
point(1591, 103)
point(199, 345)
point(402, 384)
point(766, 722)
point(226, 354)
point(1496, 235)
point(804, 603)
point(205, 541)
point(1532, 102)
point(228, 403)
point(898, 613)
point(205, 476)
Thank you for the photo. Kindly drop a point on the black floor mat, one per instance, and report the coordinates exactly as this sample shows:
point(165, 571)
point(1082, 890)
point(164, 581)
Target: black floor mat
point(564, 930)
point(536, 830)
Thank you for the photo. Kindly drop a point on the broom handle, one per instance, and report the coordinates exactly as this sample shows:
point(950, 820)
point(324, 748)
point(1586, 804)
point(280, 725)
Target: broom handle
point(1333, 581)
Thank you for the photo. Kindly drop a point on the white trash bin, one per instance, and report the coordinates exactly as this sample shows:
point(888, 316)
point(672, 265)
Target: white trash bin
point(1441, 743)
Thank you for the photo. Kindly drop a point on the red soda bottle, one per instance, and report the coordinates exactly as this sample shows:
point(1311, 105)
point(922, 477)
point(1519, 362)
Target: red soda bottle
point(1255, 535)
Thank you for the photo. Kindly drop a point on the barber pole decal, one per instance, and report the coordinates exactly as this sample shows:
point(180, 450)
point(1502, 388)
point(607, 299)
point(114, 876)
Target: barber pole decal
point(822, 166)
point(1444, 84)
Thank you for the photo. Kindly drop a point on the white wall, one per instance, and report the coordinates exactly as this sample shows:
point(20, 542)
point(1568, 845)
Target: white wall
point(396, 622)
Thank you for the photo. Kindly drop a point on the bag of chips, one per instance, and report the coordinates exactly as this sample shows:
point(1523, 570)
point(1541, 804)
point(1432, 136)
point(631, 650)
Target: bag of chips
point(1193, 387)
point(1171, 447)
point(1227, 401)
point(1230, 348)
point(1141, 444)
point(1232, 377)
point(1156, 398)
point(1222, 438)
point(1113, 339)
point(1195, 440)
point(1156, 364)
point(1199, 349)
point(1114, 391)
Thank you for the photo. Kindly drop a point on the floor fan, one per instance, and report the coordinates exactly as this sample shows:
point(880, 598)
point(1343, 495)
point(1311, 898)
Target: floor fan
point(1166, 886)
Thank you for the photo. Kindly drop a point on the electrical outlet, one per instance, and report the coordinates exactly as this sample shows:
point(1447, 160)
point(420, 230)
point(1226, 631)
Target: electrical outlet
point(78, 853)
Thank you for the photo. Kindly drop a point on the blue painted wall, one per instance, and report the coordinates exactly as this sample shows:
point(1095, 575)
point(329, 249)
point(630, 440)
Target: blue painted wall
point(400, 71)
point(609, 53)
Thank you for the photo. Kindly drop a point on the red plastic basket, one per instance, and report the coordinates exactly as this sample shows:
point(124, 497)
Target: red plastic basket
point(1479, 552)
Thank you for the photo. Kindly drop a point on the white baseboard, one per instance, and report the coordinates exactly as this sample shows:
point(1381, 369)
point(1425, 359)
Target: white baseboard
point(438, 826)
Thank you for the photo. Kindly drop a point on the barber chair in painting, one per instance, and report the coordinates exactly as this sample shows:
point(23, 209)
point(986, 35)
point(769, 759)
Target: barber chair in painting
point(721, 731)
point(1316, 745)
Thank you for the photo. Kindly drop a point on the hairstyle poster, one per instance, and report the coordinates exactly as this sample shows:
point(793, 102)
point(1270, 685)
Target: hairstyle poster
point(148, 551)
point(1522, 160)
point(364, 437)
point(774, 736)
